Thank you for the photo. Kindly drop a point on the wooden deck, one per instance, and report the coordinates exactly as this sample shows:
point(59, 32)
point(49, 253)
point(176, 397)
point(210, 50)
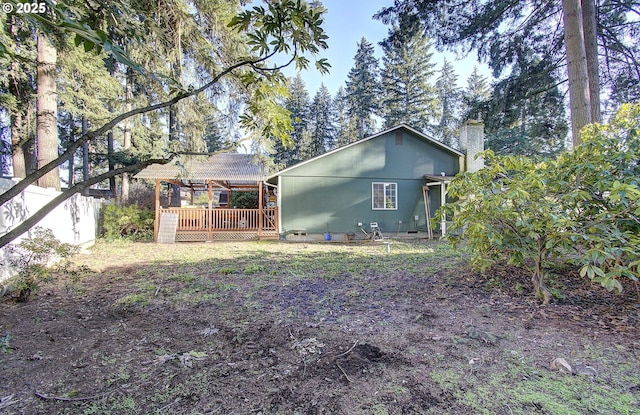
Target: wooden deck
point(203, 224)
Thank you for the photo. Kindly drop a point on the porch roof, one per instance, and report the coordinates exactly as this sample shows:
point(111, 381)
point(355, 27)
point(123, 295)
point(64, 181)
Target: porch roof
point(224, 167)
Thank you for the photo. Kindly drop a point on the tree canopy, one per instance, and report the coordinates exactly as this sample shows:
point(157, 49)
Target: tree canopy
point(555, 32)
point(270, 36)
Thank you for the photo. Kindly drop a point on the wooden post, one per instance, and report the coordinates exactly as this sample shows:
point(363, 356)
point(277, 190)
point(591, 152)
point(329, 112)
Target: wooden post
point(260, 208)
point(210, 211)
point(156, 223)
point(427, 210)
point(443, 200)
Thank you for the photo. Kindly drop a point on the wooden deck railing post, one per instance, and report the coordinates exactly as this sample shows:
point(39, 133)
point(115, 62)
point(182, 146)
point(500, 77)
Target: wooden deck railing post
point(260, 209)
point(156, 223)
point(209, 214)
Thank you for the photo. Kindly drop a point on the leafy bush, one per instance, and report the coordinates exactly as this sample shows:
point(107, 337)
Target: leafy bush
point(131, 222)
point(582, 208)
point(244, 200)
point(32, 258)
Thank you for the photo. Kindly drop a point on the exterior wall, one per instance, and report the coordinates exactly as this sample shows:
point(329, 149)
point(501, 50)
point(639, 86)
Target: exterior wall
point(333, 193)
point(472, 142)
point(74, 221)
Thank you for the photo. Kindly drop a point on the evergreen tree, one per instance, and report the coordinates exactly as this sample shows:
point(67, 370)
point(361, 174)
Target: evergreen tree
point(17, 89)
point(474, 95)
point(345, 130)
point(449, 99)
point(288, 31)
point(86, 91)
point(524, 122)
point(46, 111)
point(297, 103)
point(320, 124)
point(566, 34)
point(363, 89)
point(407, 95)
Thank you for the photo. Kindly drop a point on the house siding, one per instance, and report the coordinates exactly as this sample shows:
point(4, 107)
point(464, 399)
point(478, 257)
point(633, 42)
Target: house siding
point(333, 192)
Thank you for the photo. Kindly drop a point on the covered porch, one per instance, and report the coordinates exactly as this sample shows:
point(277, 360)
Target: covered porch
point(440, 182)
point(209, 184)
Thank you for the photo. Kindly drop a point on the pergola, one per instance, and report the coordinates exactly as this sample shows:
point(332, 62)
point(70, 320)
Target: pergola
point(232, 172)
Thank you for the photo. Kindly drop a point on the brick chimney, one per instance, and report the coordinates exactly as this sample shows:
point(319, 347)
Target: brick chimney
point(471, 142)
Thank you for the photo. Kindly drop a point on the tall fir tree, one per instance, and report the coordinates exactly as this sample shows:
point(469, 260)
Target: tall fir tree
point(524, 122)
point(591, 44)
point(47, 111)
point(474, 95)
point(345, 131)
point(320, 136)
point(297, 103)
point(17, 91)
point(408, 97)
point(363, 89)
point(449, 102)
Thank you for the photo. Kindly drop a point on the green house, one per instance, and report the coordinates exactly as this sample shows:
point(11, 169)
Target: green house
point(385, 178)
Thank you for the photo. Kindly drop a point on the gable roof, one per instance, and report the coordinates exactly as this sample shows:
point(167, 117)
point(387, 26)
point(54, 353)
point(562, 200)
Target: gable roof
point(398, 127)
point(234, 167)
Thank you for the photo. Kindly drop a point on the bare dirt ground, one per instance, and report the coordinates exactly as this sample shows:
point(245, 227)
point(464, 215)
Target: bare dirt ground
point(281, 328)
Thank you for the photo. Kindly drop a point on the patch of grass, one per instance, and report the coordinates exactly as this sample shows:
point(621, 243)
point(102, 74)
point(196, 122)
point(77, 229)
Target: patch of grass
point(138, 299)
point(120, 405)
point(227, 270)
point(519, 389)
point(253, 269)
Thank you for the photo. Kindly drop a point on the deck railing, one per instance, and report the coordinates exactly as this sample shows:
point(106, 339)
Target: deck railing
point(203, 219)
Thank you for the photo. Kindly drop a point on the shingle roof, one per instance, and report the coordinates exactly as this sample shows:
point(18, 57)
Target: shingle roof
point(233, 167)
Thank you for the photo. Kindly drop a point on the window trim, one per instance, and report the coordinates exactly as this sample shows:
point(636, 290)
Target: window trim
point(384, 190)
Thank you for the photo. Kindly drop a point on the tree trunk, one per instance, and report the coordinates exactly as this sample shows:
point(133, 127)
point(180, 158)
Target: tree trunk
point(537, 279)
point(126, 135)
point(110, 164)
point(19, 114)
point(579, 96)
point(85, 155)
point(589, 24)
point(72, 138)
point(174, 135)
point(18, 135)
point(47, 112)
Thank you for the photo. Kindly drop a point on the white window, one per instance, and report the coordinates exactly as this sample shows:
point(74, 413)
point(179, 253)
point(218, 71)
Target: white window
point(384, 196)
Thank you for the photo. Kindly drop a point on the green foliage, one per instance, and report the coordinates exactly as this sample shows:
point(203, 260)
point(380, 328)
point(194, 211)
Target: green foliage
point(244, 200)
point(363, 88)
point(130, 222)
point(5, 347)
point(508, 33)
point(582, 207)
point(449, 96)
point(525, 123)
point(320, 136)
point(32, 259)
point(407, 96)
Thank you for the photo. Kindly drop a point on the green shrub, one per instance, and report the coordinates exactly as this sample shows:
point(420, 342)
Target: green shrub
point(244, 200)
point(130, 222)
point(581, 208)
point(32, 258)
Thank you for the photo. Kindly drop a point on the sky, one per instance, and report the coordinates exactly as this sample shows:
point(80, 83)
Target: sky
point(346, 22)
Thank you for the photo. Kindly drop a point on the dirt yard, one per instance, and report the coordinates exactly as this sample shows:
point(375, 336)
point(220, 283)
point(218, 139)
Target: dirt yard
point(297, 328)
